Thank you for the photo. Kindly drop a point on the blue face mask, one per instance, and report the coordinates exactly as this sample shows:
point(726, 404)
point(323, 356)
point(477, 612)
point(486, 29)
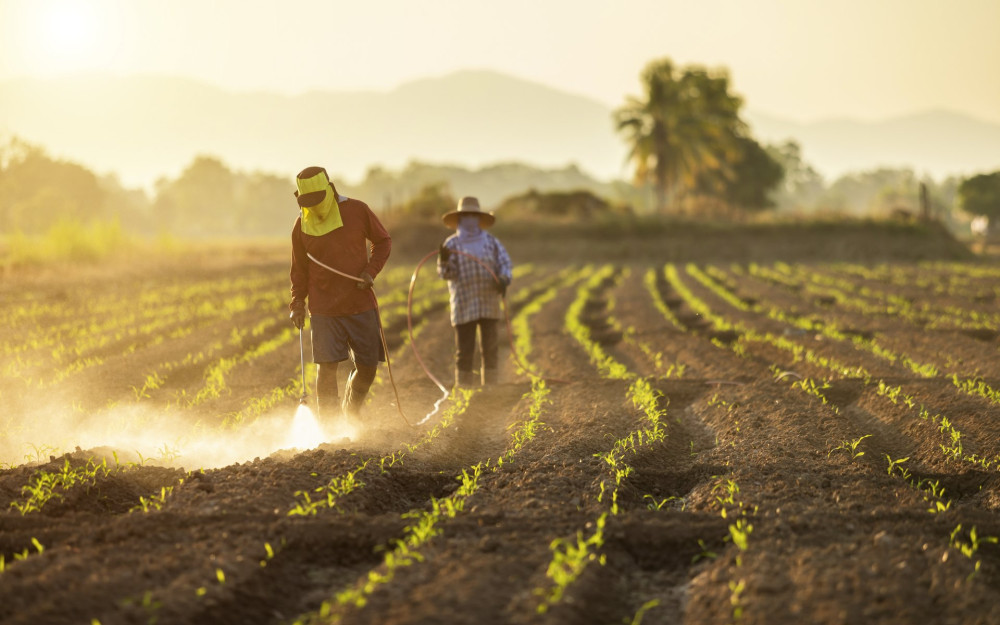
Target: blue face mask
point(468, 226)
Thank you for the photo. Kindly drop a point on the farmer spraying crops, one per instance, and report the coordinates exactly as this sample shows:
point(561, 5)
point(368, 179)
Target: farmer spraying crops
point(331, 236)
point(474, 292)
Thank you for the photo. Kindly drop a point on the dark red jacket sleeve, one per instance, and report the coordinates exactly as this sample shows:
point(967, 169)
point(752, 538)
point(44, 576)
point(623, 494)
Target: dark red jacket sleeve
point(381, 243)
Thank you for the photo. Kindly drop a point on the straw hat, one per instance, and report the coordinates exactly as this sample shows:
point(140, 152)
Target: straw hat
point(468, 206)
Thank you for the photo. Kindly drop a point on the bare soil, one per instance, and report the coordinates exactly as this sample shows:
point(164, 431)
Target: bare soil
point(837, 536)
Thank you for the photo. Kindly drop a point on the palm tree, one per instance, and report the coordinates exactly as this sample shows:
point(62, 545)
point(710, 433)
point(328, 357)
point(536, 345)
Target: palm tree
point(686, 124)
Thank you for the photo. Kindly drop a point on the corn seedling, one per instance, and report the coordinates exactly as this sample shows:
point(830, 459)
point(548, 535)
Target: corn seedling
point(851, 447)
point(968, 548)
point(736, 589)
point(705, 553)
point(641, 612)
point(740, 532)
point(570, 558)
point(897, 465)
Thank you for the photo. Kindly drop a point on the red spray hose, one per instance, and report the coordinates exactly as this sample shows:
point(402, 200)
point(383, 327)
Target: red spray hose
point(413, 344)
point(503, 300)
point(381, 331)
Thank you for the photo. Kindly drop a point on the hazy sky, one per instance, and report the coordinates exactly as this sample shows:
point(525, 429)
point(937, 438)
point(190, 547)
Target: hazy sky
point(799, 59)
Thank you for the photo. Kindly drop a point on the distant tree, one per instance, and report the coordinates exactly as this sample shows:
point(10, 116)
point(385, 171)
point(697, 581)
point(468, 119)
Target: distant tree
point(131, 207)
point(980, 195)
point(383, 188)
point(264, 203)
point(565, 206)
point(433, 200)
point(37, 191)
point(944, 200)
point(748, 181)
point(801, 185)
point(201, 201)
point(685, 125)
point(875, 193)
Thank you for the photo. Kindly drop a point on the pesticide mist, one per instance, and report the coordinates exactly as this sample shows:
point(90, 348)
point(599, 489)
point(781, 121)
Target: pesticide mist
point(135, 434)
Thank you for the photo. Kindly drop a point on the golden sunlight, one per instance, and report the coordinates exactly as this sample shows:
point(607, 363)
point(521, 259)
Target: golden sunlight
point(65, 37)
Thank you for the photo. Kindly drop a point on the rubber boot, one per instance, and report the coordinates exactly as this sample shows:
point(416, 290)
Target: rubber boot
point(464, 379)
point(358, 383)
point(490, 377)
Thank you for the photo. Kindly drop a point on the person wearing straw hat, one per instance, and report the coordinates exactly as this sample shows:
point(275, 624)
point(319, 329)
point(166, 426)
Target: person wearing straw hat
point(474, 293)
point(335, 231)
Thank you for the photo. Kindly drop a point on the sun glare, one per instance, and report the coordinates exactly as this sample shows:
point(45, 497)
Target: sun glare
point(307, 433)
point(66, 37)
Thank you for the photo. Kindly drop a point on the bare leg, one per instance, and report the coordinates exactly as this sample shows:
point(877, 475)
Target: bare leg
point(357, 389)
point(327, 401)
point(488, 343)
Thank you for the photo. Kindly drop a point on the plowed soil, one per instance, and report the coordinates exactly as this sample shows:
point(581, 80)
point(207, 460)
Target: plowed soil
point(794, 484)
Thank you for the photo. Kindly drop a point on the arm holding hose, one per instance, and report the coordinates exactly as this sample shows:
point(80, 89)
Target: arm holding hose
point(447, 266)
point(504, 268)
point(381, 246)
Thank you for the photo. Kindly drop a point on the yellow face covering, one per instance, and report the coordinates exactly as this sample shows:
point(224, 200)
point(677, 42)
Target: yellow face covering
point(324, 217)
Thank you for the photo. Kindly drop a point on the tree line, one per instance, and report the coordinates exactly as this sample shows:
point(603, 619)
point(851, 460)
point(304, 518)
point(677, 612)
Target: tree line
point(691, 152)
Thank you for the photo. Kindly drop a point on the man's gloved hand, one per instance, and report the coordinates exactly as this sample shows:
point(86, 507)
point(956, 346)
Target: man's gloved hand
point(368, 281)
point(502, 286)
point(298, 317)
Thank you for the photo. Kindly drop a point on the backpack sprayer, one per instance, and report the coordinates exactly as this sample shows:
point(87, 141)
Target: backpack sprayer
point(413, 345)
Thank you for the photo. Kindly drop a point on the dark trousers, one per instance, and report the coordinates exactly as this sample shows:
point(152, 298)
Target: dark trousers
point(465, 341)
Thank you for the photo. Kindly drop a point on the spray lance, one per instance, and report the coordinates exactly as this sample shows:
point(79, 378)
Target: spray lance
point(304, 399)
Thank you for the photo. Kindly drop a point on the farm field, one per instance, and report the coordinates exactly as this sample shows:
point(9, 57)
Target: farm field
point(701, 442)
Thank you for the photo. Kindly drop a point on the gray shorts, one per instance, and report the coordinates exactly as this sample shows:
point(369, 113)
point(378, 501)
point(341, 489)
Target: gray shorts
point(334, 339)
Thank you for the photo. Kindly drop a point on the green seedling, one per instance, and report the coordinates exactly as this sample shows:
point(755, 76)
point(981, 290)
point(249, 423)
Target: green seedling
point(735, 593)
point(851, 447)
point(705, 552)
point(970, 547)
point(894, 464)
point(570, 558)
point(740, 532)
point(641, 612)
point(658, 505)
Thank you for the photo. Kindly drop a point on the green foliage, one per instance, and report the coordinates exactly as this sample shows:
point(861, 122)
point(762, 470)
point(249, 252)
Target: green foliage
point(749, 181)
point(609, 367)
point(685, 125)
point(45, 486)
point(67, 239)
point(560, 206)
point(801, 185)
point(431, 201)
point(882, 192)
point(210, 199)
point(391, 190)
point(570, 558)
point(969, 547)
point(980, 195)
point(850, 447)
point(740, 532)
point(37, 190)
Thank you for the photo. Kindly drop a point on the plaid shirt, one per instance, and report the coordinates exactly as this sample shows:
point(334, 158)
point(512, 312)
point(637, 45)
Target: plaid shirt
point(473, 291)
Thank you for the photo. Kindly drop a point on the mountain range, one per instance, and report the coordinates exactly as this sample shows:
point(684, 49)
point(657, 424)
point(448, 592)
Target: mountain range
point(145, 127)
